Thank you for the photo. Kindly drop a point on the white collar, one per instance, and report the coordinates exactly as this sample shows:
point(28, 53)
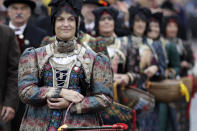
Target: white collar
point(90, 26)
point(19, 30)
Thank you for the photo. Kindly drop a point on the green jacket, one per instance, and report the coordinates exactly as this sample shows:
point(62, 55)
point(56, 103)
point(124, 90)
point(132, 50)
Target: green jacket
point(173, 57)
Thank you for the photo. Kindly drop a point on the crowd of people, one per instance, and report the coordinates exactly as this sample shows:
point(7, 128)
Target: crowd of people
point(70, 62)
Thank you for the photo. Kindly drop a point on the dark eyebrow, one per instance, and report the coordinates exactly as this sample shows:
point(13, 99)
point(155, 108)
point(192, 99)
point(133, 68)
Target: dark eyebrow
point(25, 6)
point(59, 17)
point(71, 16)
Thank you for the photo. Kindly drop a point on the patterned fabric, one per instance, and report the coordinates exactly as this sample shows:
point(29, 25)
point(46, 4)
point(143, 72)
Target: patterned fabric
point(98, 44)
point(181, 115)
point(77, 78)
point(131, 52)
point(150, 121)
point(36, 78)
point(117, 113)
point(158, 59)
point(112, 49)
point(152, 124)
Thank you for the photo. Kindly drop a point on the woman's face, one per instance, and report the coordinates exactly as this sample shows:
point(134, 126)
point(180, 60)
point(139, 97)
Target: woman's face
point(154, 30)
point(106, 25)
point(65, 26)
point(171, 30)
point(139, 27)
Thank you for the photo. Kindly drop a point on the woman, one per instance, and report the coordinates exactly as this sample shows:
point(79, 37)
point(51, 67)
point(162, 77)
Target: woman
point(139, 20)
point(158, 53)
point(125, 72)
point(158, 57)
point(105, 20)
point(63, 74)
point(184, 50)
point(185, 55)
point(150, 66)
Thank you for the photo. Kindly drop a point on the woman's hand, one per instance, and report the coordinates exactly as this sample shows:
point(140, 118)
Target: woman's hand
point(150, 71)
point(122, 79)
point(185, 64)
point(57, 103)
point(71, 95)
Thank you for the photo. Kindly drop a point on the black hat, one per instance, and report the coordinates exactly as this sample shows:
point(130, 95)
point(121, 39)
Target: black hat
point(168, 5)
point(99, 11)
point(142, 12)
point(76, 5)
point(72, 6)
point(31, 3)
point(96, 2)
point(158, 16)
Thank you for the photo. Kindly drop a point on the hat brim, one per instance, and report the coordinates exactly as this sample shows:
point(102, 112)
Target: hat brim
point(29, 3)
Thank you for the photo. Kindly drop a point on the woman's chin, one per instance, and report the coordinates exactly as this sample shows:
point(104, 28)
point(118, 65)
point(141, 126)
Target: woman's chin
point(65, 38)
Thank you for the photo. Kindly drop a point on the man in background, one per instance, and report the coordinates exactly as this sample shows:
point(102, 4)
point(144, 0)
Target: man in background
point(19, 13)
point(9, 57)
point(28, 35)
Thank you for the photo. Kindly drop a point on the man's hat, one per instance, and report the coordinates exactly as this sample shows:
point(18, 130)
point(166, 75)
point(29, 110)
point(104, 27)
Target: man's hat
point(30, 3)
point(96, 2)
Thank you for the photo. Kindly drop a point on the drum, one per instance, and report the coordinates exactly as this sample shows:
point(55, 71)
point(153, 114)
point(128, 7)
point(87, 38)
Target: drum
point(165, 90)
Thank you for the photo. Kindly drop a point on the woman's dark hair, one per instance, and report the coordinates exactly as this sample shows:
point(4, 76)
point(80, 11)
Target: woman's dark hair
point(71, 6)
point(169, 19)
point(141, 13)
point(98, 14)
point(157, 17)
